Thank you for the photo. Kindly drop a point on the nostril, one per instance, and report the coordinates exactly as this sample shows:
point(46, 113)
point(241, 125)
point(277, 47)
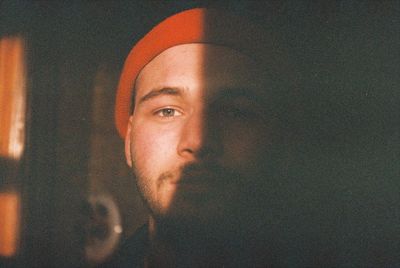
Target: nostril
point(199, 139)
point(190, 151)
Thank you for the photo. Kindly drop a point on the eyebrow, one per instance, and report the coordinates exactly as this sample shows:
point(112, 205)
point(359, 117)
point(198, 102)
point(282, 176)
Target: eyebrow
point(174, 91)
point(233, 93)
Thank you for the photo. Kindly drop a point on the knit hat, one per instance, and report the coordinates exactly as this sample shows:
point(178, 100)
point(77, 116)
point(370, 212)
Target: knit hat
point(199, 25)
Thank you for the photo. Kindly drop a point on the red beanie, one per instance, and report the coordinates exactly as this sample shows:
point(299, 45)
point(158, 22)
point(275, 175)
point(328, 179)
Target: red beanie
point(199, 25)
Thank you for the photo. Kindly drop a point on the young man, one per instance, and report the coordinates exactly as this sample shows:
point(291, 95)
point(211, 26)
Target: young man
point(195, 107)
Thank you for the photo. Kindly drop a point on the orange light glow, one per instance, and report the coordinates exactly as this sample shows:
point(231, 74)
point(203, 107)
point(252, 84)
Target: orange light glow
point(9, 223)
point(12, 97)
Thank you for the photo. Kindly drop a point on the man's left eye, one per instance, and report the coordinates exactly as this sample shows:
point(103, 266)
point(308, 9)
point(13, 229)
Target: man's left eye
point(239, 113)
point(168, 112)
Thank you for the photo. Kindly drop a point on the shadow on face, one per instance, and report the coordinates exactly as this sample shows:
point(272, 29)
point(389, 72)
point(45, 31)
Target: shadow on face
point(207, 147)
point(201, 138)
point(200, 130)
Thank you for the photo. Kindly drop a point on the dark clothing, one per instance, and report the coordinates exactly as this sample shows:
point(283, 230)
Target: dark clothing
point(132, 252)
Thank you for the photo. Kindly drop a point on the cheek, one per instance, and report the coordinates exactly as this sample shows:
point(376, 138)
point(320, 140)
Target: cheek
point(244, 146)
point(153, 149)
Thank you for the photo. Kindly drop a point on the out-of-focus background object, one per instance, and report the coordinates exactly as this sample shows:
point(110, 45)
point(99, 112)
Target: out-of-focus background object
point(12, 97)
point(9, 223)
point(12, 139)
point(104, 228)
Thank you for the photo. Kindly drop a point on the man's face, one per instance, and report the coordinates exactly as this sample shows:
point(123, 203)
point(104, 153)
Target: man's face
point(199, 133)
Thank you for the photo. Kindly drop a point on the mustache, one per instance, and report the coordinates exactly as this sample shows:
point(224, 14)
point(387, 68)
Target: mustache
point(207, 172)
point(201, 173)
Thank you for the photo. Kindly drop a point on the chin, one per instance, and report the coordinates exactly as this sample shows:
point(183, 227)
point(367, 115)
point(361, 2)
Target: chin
point(189, 218)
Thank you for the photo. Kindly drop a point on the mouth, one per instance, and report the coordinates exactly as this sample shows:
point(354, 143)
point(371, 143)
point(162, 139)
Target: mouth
point(202, 177)
point(199, 185)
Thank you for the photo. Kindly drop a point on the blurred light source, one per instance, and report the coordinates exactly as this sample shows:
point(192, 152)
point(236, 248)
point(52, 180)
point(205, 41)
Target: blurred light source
point(12, 138)
point(12, 97)
point(9, 223)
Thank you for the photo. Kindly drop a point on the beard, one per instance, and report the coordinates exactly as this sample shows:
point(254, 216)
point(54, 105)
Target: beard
point(233, 205)
point(237, 198)
point(220, 195)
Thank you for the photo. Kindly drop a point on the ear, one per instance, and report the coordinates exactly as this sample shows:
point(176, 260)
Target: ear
point(128, 155)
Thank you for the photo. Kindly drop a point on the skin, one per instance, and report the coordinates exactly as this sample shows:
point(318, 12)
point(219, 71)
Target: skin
point(199, 135)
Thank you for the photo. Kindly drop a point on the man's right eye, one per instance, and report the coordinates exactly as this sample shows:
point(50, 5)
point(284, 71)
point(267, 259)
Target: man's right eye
point(168, 112)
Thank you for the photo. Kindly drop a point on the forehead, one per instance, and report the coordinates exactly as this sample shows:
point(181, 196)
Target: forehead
point(199, 66)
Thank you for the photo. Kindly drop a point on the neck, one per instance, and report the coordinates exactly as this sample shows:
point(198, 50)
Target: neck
point(172, 246)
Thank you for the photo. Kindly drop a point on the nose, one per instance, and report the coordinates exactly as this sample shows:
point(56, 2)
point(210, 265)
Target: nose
point(199, 139)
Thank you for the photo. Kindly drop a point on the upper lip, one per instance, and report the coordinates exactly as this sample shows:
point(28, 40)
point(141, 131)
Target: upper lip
point(201, 173)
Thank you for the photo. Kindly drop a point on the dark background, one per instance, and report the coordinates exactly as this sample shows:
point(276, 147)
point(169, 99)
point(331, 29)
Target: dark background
point(346, 157)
